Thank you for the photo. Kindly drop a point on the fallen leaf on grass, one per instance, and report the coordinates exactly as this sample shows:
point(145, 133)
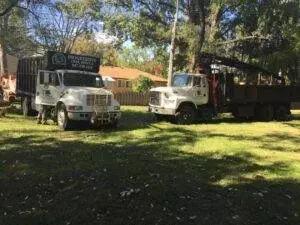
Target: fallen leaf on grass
point(130, 192)
point(288, 196)
point(235, 217)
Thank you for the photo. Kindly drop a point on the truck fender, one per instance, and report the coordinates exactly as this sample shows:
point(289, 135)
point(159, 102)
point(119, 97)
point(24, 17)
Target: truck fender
point(183, 103)
point(59, 103)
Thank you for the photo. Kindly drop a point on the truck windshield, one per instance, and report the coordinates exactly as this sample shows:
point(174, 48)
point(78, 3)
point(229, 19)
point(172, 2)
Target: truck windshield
point(181, 80)
point(82, 80)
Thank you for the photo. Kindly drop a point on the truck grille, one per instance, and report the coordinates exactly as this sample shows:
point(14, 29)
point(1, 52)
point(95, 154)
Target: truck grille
point(155, 98)
point(98, 100)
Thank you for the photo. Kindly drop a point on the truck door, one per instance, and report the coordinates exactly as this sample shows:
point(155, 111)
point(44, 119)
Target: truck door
point(48, 88)
point(200, 90)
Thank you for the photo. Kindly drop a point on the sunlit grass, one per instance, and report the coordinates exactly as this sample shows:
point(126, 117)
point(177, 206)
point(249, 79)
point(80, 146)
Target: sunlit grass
point(267, 143)
point(221, 154)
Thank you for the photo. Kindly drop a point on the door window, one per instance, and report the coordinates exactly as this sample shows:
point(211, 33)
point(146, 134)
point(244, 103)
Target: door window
point(53, 79)
point(197, 81)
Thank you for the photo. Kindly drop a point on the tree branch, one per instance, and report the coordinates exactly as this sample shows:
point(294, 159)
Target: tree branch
point(244, 39)
point(9, 8)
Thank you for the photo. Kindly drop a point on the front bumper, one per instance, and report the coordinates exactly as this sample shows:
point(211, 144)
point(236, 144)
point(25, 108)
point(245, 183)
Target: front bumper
point(103, 117)
point(161, 110)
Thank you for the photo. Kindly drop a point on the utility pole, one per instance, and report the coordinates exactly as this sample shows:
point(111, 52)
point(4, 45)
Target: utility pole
point(172, 50)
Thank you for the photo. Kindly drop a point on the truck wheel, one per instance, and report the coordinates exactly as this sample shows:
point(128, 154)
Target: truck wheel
point(266, 113)
point(282, 113)
point(63, 120)
point(185, 115)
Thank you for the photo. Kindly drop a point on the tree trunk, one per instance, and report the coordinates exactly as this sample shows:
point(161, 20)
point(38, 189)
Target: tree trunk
point(214, 21)
point(172, 50)
point(197, 17)
point(3, 34)
point(192, 63)
point(3, 59)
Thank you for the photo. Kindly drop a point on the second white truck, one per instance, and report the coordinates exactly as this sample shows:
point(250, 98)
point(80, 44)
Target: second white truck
point(261, 95)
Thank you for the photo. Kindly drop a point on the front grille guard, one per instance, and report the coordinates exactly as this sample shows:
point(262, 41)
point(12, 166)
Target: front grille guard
point(99, 107)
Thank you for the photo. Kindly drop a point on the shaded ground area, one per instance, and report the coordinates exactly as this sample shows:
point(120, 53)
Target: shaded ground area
point(150, 173)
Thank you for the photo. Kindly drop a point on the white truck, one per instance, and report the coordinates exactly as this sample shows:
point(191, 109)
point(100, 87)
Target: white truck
point(261, 95)
point(69, 86)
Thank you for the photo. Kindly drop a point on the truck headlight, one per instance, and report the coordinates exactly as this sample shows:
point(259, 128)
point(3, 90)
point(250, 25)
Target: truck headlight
point(75, 108)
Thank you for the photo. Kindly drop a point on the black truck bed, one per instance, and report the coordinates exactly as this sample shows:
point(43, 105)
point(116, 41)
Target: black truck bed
point(265, 94)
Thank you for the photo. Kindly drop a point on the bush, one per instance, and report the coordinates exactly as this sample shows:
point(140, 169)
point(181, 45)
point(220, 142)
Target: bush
point(141, 84)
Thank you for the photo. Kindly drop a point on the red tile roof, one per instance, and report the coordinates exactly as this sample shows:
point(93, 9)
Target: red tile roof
point(127, 73)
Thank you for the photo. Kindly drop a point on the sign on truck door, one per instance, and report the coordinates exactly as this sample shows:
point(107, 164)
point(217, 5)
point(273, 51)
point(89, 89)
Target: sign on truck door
point(48, 88)
point(199, 90)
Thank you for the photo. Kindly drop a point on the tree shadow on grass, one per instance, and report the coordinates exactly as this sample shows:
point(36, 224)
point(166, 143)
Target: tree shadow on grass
point(149, 180)
point(136, 119)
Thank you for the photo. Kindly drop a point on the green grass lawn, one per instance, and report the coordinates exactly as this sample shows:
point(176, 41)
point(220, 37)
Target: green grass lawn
point(146, 172)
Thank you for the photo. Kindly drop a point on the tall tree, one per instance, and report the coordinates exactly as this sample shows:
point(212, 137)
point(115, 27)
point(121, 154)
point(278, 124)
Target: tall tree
point(14, 35)
point(265, 33)
point(172, 49)
point(57, 24)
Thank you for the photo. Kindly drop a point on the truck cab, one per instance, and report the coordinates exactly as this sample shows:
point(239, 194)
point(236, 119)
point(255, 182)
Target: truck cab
point(183, 100)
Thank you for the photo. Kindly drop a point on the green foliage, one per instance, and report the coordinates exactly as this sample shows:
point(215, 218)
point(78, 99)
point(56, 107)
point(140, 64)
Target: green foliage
point(151, 60)
point(15, 36)
point(110, 56)
point(265, 34)
point(133, 57)
point(252, 31)
point(87, 45)
point(141, 84)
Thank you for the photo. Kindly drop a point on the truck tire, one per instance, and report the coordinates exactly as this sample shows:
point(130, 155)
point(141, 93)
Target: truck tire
point(282, 113)
point(63, 121)
point(185, 115)
point(266, 113)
